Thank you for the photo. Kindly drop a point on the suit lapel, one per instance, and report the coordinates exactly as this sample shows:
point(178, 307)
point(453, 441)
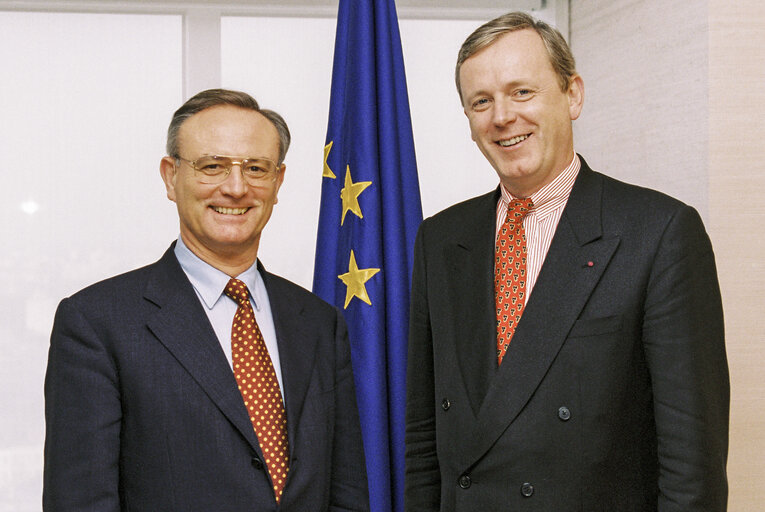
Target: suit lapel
point(471, 262)
point(182, 326)
point(297, 348)
point(575, 262)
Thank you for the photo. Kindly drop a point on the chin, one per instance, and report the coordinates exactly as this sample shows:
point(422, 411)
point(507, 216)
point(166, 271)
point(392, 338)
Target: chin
point(512, 173)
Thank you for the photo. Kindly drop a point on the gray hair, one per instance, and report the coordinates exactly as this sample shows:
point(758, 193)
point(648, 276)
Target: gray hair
point(561, 58)
point(213, 97)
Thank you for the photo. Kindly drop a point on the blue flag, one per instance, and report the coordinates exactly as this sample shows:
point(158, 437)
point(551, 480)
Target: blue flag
point(370, 211)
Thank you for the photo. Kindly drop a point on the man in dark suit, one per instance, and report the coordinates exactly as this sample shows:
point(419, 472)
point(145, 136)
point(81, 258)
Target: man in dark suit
point(163, 394)
point(566, 347)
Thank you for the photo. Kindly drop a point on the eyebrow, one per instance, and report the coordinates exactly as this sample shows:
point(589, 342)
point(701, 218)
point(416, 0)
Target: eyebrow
point(523, 82)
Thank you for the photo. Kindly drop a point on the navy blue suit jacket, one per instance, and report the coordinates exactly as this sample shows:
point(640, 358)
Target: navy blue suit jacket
point(143, 411)
point(613, 395)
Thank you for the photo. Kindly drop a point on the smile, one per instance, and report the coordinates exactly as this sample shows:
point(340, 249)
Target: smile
point(513, 141)
point(230, 211)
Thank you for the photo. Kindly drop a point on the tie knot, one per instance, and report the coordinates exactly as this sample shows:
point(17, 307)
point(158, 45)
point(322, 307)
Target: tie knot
point(518, 208)
point(237, 290)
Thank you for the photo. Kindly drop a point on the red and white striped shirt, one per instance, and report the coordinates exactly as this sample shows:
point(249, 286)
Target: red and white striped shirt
point(542, 220)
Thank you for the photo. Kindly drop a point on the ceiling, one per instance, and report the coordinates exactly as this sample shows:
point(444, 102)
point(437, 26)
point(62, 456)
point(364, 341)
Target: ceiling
point(405, 8)
point(437, 4)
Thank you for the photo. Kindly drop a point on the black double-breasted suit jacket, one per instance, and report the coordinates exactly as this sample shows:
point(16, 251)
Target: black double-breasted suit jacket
point(143, 411)
point(614, 392)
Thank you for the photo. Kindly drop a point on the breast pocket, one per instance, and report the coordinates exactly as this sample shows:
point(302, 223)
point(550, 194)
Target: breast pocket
point(595, 326)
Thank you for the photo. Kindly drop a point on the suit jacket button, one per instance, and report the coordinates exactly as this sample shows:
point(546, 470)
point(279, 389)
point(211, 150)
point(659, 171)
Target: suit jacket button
point(465, 481)
point(257, 463)
point(527, 489)
point(445, 404)
point(564, 414)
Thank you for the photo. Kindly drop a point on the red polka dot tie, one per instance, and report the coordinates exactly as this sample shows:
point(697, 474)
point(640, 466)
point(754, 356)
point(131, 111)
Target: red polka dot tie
point(257, 382)
point(510, 273)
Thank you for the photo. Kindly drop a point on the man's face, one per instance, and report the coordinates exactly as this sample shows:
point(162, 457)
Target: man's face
point(519, 117)
point(221, 223)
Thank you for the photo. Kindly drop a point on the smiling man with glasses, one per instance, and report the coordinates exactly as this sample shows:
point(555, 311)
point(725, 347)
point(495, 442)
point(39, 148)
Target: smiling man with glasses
point(202, 382)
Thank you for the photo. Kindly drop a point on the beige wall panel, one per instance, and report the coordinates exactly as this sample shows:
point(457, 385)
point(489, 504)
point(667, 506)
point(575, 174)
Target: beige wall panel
point(675, 100)
point(644, 70)
point(737, 182)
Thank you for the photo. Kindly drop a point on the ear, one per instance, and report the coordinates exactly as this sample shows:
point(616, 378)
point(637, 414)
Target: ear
point(169, 173)
point(279, 181)
point(575, 95)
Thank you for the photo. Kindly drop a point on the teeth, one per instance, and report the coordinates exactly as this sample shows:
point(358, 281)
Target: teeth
point(230, 211)
point(513, 141)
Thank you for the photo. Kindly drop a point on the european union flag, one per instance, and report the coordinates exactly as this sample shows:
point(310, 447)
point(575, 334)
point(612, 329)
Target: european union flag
point(370, 211)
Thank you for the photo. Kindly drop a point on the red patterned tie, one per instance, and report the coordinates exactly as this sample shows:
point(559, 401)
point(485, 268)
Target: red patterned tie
point(510, 273)
point(257, 382)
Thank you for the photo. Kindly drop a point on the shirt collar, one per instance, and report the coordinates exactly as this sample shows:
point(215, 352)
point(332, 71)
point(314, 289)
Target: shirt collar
point(557, 189)
point(209, 282)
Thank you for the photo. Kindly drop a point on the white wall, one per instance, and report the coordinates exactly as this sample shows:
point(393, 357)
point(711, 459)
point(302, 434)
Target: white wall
point(84, 102)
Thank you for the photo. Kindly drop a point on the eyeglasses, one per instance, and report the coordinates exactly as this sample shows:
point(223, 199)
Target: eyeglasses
point(214, 169)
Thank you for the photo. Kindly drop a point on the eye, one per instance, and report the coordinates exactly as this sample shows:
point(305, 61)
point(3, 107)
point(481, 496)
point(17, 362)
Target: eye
point(480, 104)
point(524, 94)
point(258, 167)
point(211, 165)
point(211, 168)
point(255, 169)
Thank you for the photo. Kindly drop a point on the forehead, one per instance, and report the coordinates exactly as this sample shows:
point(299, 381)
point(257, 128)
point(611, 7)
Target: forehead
point(229, 130)
point(517, 55)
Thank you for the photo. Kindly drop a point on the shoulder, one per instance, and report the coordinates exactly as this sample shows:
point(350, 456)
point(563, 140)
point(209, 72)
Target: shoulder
point(102, 309)
point(120, 294)
point(644, 219)
point(125, 283)
point(638, 197)
point(295, 309)
point(470, 223)
point(462, 219)
point(285, 293)
point(615, 190)
point(624, 202)
point(467, 210)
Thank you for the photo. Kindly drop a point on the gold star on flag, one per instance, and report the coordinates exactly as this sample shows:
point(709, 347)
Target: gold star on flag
point(355, 280)
point(350, 195)
point(327, 173)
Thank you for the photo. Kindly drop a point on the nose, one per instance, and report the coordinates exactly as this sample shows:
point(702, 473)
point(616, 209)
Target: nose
point(504, 112)
point(234, 184)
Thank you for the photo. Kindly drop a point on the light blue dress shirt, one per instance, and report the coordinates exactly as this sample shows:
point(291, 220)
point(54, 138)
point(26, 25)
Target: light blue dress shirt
point(209, 283)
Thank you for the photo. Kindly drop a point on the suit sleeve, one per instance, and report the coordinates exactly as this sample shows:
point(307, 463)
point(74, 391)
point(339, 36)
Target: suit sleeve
point(349, 487)
point(683, 337)
point(82, 414)
point(422, 487)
